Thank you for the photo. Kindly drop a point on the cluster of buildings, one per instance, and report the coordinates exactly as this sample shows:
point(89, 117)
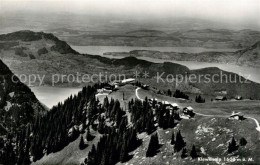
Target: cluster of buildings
point(186, 112)
point(223, 98)
point(114, 85)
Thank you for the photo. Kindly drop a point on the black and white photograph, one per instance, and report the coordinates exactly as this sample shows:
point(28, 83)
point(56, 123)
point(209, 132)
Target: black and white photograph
point(129, 82)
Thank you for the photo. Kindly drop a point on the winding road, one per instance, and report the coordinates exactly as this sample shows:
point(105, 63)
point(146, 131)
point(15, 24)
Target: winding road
point(136, 94)
point(257, 123)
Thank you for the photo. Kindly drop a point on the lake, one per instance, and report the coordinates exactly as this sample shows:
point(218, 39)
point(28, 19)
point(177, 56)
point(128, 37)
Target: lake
point(100, 50)
point(51, 96)
point(247, 72)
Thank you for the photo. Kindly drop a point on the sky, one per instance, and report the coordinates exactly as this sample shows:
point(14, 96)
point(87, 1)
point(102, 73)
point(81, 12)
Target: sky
point(219, 10)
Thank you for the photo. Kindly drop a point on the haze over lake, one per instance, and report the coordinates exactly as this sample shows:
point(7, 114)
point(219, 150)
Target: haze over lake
point(51, 96)
point(100, 50)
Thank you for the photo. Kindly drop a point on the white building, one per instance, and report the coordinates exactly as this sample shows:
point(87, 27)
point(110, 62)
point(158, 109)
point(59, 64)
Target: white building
point(128, 81)
point(236, 116)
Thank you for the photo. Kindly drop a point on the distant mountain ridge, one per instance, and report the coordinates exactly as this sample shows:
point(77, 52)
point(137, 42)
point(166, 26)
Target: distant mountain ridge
point(47, 61)
point(244, 57)
point(27, 36)
point(146, 32)
point(206, 38)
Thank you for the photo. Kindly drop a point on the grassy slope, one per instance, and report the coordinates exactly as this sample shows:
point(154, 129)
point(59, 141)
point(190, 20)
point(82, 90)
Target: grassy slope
point(70, 155)
point(250, 108)
point(210, 134)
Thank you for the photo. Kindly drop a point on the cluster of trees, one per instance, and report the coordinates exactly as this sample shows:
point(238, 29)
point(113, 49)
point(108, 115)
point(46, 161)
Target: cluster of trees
point(177, 94)
point(178, 142)
point(180, 94)
point(65, 122)
point(138, 84)
point(117, 140)
point(145, 116)
point(199, 99)
point(42, 133)
point(113, 147)
point(51, 130)
point(142, 116)
point(233, 146)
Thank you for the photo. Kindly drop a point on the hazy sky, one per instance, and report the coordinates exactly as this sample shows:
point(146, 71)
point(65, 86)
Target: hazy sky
point(222, 10)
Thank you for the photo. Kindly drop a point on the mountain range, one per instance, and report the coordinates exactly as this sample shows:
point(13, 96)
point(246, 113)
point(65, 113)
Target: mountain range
point(206, 38)
point(43, 54)
point(249, 56)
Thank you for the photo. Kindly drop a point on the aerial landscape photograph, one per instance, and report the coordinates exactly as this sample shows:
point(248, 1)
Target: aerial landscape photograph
point(129, 82)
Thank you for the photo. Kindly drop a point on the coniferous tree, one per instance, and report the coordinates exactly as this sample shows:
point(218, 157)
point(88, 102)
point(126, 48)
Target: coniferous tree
point(150, 123)
point(242, 141)
point(123, 153)
point(89, 137)
point(82, 145)
point(169, 92)
point(232, 146)
point(153, 146)
point(184, 153)
point(150, 126)
point(173, 139)
point(91, 156)
point(179, 143)
point(193, 153)
point(199, 99)
point(171, 121)
point(177, 116)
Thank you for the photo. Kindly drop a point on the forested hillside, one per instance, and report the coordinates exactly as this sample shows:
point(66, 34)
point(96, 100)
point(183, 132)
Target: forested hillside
point(18, 110)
